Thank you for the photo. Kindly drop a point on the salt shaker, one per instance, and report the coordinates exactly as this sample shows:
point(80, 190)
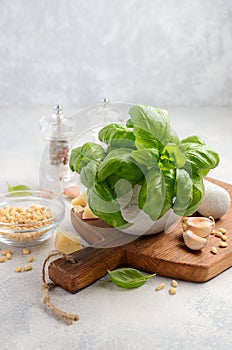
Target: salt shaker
point(59, 131)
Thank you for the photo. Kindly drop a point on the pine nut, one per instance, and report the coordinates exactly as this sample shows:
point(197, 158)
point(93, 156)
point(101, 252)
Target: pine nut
point(214, 250)
point(222, 230)
point(224, 237)
point(160, 287)
point(18, 269)
point(174, 283)
point(27, 268)
point(218, 234)
point(30, 258)
point(223, 244)
point(26, 251)
point(8, 256)
point(172, 291)
point(4, 252)
point(2, 259)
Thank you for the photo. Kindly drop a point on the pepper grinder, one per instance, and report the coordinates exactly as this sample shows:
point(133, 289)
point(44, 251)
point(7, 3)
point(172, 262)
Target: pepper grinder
point(59, 131)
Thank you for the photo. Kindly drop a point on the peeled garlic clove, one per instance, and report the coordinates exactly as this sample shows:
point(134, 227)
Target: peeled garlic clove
point(72, 191)
point(193, 241)
point(200, 226)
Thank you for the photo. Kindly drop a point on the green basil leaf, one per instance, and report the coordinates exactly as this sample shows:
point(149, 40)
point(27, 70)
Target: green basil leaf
point(151, 124)
point(119, 162)
point(117, 135)
point(152, 194)
point(88, 174)
point(128, 277)
point(169, 185)
point(82, 155)
point(177, 157)
point(183, 189)
point(192, 140)
point(129, 123)
point(198, 193)
point(201, 157)
point(19, 190)
point(147, 157)
point(103, 204)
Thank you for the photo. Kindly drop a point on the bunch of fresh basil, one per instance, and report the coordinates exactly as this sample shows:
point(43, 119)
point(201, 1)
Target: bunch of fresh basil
point(145, 152)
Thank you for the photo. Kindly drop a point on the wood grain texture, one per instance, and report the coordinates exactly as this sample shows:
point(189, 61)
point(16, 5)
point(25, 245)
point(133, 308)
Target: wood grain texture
point(164, 254)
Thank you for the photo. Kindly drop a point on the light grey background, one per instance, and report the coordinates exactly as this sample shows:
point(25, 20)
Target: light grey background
point(158, 52)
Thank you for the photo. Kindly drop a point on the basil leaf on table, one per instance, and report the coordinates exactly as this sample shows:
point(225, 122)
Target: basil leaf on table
point(20, 190)
point(128, 277)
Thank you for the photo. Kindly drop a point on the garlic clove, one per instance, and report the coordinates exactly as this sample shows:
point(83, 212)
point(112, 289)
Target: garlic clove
point(200, 226)
point(71, 191)
point(194, 241)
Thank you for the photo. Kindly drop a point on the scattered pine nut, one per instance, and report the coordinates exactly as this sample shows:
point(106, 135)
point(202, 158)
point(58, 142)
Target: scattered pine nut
point(30, 258)
point(2, 259)
point(26, 251)
point(222, 230)
point(8, 251)
point(214, 250)
point(218, 234)
point(172, 291)
point(27, 267)
point(223, 244)
point(213, 232)
point(18, 269)
point(8, 256)
point(224, 237)
point(174, 283)
point(160, 287)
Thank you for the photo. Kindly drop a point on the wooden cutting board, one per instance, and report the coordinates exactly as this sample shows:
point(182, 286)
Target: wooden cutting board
point(163, 254)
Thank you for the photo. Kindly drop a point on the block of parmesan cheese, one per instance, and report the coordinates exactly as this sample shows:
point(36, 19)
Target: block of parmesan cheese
point(80, 200)
point(67, 242)
point(88, 214)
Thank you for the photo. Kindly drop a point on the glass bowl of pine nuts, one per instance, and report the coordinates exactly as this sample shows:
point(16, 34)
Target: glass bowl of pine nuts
point(29, 218)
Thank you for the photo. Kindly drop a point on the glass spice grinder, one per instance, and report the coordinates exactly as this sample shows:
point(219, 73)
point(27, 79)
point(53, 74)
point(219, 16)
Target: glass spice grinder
point(58, 131)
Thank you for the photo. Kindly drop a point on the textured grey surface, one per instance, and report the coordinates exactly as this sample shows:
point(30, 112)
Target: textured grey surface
point(197, 317)
point(158, 52)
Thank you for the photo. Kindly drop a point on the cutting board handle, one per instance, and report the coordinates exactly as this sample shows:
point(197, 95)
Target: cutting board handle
point(88, 265)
